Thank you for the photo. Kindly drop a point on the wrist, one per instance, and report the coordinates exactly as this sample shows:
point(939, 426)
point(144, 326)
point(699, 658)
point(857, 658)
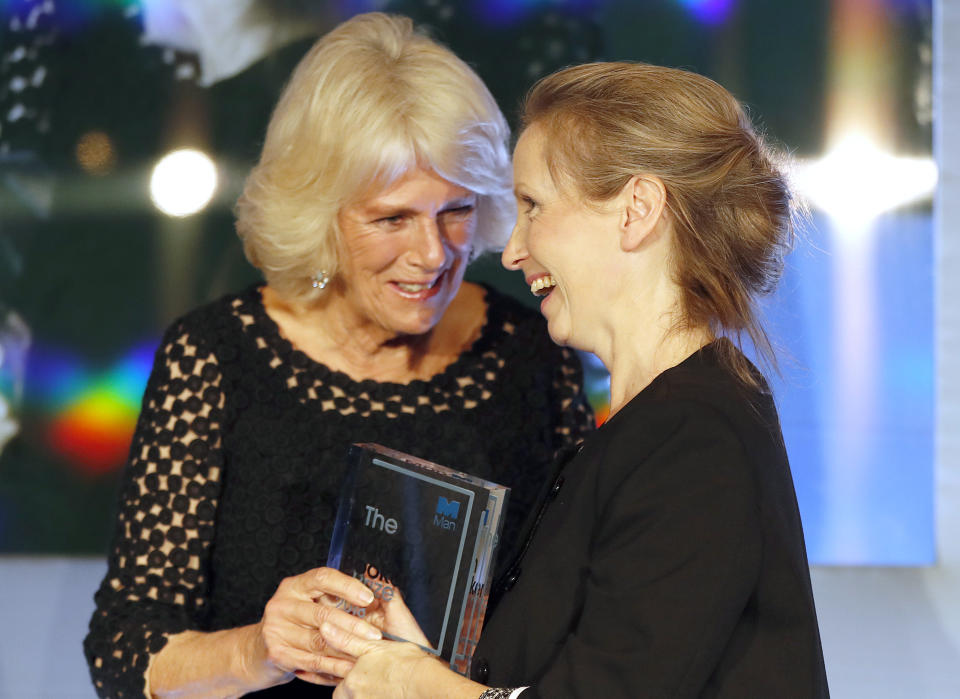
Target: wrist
point(211, 664)
point(434, 678)
point(250, 664)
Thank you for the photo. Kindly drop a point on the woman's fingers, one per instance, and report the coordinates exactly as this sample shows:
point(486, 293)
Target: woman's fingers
point(319, 678)
point(346, 642)
point(400, 622)
point(290, 628)
point(309, 640)
point(294, 648)
point(304, 662)
point(327, 581)
point(350, 624)
point(311, 615)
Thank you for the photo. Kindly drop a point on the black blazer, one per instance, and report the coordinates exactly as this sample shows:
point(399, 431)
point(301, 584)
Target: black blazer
point(668, 560)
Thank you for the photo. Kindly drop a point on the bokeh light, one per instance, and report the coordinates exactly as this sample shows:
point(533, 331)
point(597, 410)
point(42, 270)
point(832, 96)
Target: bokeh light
point(95, 153)
point(710, 11)
point(183, 182)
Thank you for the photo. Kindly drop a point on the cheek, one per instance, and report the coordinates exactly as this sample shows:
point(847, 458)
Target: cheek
point(460, 235)
point(372, 253)
point(533, 236)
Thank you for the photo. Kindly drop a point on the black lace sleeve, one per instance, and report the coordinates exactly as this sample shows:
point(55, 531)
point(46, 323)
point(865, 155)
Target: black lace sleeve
point(158, 567)
point(574, 418)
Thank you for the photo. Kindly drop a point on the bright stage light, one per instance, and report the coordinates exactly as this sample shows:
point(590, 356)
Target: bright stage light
point(183, 182)
point(856, 181)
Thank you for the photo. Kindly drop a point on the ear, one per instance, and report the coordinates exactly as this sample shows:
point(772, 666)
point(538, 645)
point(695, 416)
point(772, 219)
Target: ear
point(643, 199)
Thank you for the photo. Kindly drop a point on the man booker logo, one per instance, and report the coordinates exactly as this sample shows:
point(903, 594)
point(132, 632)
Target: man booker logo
point(446, 514)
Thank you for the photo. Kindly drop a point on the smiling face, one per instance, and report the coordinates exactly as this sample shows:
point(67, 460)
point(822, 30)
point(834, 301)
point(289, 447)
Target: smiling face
point(404, 250)
point(562, 247)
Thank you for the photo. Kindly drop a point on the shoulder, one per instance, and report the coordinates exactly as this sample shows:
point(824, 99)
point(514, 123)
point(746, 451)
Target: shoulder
point(693, 424)
point(214, 328)
point(677, 467)
point(655, 429)
point(702, 393)
point(214, 312)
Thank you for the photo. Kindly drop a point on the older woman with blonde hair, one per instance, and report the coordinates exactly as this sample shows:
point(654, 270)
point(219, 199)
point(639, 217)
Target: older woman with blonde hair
point(668, 560)
point(384, 172)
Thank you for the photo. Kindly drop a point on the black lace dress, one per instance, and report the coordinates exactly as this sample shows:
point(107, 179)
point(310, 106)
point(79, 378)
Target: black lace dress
point(235, 466)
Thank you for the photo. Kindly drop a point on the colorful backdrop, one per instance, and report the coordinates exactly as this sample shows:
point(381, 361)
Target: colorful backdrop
point(93, 94)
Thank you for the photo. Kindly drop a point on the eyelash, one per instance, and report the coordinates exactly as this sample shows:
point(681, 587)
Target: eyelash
point(459, 210)
point(530, 204)
point(398, 219)
point(465, 209)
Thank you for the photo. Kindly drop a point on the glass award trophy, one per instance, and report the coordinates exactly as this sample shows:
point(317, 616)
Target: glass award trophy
point(426, 534)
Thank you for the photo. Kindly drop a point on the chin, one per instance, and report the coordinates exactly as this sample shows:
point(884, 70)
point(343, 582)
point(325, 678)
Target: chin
point(417, 327)
point(410, 321)
point(559, 336)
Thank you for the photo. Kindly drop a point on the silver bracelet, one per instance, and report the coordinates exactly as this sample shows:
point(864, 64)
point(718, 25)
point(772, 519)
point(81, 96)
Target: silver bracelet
point(500, 692)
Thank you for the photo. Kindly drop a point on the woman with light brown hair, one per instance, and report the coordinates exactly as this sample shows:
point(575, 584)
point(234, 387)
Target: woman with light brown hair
point(668, 559)
point(385, 170)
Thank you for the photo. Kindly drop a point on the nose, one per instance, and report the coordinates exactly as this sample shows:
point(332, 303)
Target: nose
point(516, 250)
point(430, 252)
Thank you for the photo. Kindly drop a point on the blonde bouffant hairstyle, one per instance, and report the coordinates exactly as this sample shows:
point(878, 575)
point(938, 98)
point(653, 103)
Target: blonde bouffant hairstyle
point(370, 100)
point(727, 193)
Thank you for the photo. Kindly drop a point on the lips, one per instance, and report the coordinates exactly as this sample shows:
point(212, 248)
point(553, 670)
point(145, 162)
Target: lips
point(419, 290)
point(416, 288)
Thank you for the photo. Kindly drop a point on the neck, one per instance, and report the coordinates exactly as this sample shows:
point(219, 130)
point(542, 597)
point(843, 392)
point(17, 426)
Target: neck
point(363, 344)
point(633, 365)
point(643, 337)
point(329, 332)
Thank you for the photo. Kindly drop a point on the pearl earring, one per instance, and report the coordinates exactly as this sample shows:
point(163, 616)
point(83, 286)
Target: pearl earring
point(320, 279)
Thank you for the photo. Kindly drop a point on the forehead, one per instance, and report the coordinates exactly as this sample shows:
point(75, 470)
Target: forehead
point(414, 188)
point(528, 155)
point(531, 169)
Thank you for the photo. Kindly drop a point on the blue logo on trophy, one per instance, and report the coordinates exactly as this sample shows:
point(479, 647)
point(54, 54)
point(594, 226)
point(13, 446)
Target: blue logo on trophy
point(446, 515)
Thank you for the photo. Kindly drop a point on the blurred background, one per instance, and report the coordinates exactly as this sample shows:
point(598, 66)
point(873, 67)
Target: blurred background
point(127, 128)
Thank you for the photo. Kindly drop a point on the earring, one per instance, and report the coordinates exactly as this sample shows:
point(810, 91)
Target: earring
point(320, 279)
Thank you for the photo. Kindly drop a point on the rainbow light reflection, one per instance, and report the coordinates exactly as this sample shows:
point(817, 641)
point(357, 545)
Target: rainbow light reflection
point(88, 416)
point(596, 384)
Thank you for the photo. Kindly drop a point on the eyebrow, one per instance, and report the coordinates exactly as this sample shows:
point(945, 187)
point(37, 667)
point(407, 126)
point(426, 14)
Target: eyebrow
point(383, 210)
point(387, 211)
point(457, 202)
